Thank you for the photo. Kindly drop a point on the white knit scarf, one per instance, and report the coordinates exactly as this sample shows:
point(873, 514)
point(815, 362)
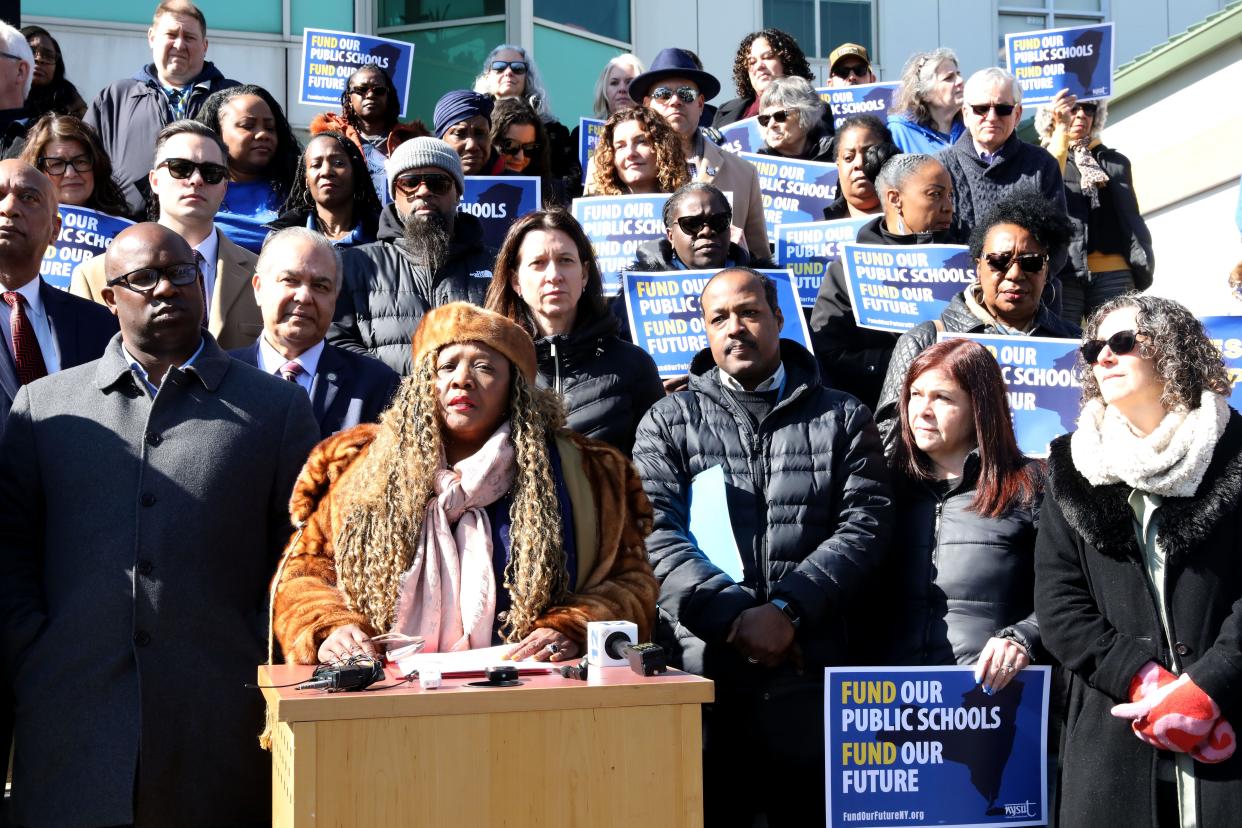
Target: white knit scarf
point(1170, 461)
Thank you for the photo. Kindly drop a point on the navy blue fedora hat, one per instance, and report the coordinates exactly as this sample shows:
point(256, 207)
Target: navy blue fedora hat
point(674, 63)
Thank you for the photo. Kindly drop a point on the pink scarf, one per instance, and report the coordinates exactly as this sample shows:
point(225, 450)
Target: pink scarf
point(448, 596)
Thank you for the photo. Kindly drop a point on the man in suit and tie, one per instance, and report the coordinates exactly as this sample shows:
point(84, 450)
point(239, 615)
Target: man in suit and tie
point(188, 180)
point(296, 283)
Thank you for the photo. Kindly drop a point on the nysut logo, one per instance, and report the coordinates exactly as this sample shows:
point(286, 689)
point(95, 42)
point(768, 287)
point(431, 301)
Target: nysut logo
point(1020, 809)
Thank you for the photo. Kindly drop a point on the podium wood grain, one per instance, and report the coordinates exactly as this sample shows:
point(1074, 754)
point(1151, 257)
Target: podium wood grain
point(618, 750)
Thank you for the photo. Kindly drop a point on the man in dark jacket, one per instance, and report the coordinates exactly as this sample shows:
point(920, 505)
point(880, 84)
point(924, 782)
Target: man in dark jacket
point(805, 489)
point(697, 222)
point(129, 113)
point(428, 254)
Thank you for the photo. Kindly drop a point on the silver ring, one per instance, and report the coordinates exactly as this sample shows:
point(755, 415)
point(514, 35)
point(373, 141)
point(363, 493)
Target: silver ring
point(752, 660)
point(1008, 668)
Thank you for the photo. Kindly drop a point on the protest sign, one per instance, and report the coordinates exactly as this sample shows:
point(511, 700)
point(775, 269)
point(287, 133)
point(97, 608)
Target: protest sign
point(589, 130)
point(499, 200)
point(1078, 58)
point(742, 136)
point(894, 288)
point(616, 226)
point(1042, 383)
point(667, 322)
point(1226, 333)
point(865, 99)
point(329, 58)
point(793, 191)
point(926, 746)
point(84, 234)
point(806, 250)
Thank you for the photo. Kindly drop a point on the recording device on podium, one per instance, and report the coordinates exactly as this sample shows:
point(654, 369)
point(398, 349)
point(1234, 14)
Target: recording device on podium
point(615, 644)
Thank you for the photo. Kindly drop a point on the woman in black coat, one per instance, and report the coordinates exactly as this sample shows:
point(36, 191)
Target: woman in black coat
point(546, 280)
point(761, 58)
point(1138, 583)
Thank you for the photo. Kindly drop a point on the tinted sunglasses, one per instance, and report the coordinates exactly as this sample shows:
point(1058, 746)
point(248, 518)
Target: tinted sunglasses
point(1028, 262)
point(716, 222)
point(780, 116)
point(436, 183)
point(514, 148)
point(518, 66)
point(687, 94)
point(181, 169)
point(146, 278)
point(1086, 108)
point(1002, 110)
point(1120, 343)
point(58, 166)
point(857, 70)
point(363, 91)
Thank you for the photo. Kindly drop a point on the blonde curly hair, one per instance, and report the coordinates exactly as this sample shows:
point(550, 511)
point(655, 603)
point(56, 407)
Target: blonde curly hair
point(380, 536)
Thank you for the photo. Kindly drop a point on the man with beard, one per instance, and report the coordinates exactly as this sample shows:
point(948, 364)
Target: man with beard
point(427, 255)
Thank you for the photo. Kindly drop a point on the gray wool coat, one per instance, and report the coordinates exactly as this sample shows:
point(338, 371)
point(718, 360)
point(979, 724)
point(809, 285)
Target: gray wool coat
point(137, 541)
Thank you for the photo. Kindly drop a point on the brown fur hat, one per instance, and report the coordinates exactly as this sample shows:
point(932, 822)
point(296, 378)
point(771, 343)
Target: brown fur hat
point(464, 322)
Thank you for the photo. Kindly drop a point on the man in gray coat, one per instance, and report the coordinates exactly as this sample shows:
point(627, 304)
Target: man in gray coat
point(142, 511)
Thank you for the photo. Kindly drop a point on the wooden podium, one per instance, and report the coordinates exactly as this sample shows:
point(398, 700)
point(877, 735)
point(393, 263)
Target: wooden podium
point(620, 749)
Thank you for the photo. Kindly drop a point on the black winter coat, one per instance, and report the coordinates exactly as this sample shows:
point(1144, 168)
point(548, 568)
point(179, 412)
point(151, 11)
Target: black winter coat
point(607, 384)
point(385, 292)
point(731, 111)
point(808, 499)
point(953, 579)
point(1117, 195)
point(1100, 620)
point(956, 318)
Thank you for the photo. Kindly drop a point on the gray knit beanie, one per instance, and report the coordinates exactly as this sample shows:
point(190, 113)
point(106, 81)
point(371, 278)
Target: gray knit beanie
point(424, 152)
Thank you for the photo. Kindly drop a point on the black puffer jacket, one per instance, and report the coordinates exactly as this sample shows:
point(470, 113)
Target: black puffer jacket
point(956, 318)
point(1118, 215)
point(385, 292)
point(607, 384)
point(954, 579)
point(808, 499)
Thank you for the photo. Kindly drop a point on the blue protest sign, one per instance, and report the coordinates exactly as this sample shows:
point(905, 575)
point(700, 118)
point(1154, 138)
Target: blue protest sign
point(1042, 383)
point(499, 200)
point(909, 746)
point(865, 99)
point(616, 226)
point(1078, 58)
point(1226, 333)
point(589, 130)
point(793, 191)
point(895, 288)
point(806, 250)
point(667, 322)
point(742, 136)
point(84, 234)
point(329, 58)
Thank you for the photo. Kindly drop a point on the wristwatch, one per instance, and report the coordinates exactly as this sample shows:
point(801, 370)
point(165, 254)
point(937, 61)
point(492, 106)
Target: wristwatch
point(785, 607)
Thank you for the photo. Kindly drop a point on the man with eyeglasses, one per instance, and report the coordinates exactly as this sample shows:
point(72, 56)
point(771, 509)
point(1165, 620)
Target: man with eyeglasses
point(188, 180)
point(16, 76)
point(678, 90)
point(143, 507)
point(427, 254)
point(849, 65)
point(129, 113)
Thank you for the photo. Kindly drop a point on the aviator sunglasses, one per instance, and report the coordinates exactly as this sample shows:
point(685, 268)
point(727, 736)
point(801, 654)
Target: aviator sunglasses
point(687, 94)
point(1120, 343)
point(1028, 262)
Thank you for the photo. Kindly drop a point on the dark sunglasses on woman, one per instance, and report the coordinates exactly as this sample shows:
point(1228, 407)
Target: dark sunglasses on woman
point(716, 222)
point(181, 169)
point(780, 116)
point(1120, 343)
point(1028, 262)
point(518, 66)
point(513, 148)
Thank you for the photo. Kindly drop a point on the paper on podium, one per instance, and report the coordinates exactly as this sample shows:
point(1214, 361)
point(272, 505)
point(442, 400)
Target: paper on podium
point(711, 529)
point(463, 660)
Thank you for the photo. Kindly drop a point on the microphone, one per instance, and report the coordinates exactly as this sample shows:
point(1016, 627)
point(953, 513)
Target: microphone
point(337, 678)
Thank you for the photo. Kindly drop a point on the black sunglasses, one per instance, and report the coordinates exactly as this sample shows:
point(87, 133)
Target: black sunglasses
point(1028, 262)
point(52, 165)
point(514, 148)
point(716, 222)
point(1120, 343)
point(858, 70)
point(144, 279)
point(1086, 108)
point(687, 94)
point(181, 169)
point(1002, 110)
point(408, 185)
point(518, 66)
point(780, 116)
point(363, 91)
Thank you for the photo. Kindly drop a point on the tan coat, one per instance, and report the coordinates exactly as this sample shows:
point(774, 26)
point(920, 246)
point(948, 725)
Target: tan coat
point(233, 319)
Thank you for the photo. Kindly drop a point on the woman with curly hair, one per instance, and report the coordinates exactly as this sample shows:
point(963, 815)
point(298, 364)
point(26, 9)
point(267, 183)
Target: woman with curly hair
point(50, 90)
point(468, 516)
point(927, 112)
point(521, 140)
point(263, 160)
point(332, 193)
point(69, 153)
point(1137, 582)
point(638, 152)
point(761, 58)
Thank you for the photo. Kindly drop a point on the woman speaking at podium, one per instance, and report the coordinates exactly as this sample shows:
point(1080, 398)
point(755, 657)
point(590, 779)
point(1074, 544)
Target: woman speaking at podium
point(469, 515)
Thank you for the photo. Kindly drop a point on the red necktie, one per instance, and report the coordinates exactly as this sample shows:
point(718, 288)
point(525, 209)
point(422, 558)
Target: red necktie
point(26, 352)
point(290, 370)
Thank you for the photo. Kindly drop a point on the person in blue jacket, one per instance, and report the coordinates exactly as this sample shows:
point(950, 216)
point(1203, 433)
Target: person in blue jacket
point(926, 115)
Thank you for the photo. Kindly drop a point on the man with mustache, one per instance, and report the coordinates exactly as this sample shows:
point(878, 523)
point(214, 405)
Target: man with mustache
point(805, 491)
point(427, 254)
point(143, 507)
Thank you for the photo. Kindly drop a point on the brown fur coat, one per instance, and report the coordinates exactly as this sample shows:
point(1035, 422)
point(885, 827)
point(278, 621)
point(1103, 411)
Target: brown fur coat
point(615, 581)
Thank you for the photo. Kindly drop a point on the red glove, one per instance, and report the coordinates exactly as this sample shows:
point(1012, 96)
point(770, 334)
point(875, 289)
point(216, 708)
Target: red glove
point(1173, 713)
